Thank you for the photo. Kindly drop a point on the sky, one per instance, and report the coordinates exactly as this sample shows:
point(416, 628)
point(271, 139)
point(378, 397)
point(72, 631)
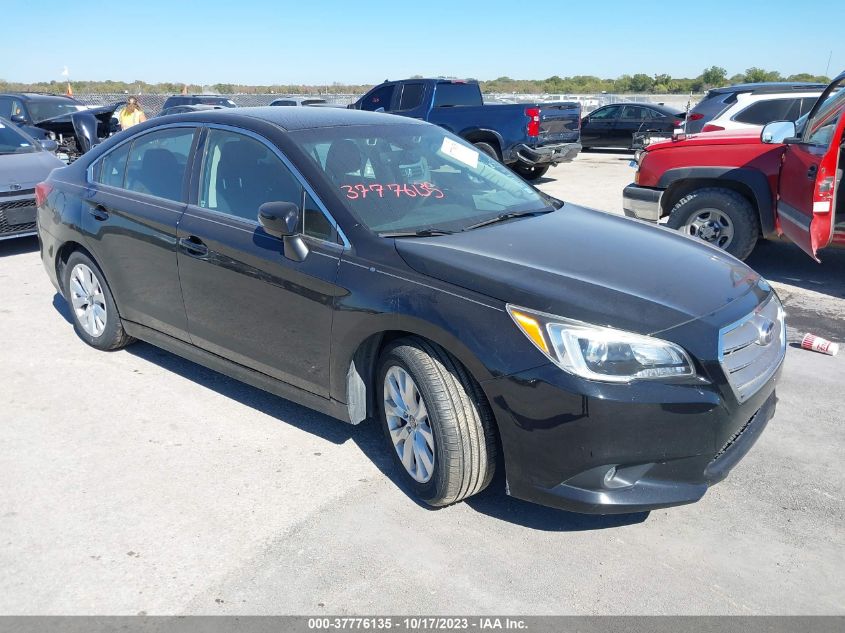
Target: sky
point(366, 41)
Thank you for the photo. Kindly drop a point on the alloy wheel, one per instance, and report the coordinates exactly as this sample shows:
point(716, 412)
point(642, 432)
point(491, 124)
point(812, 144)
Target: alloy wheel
point(86, 297)
point(408, 423)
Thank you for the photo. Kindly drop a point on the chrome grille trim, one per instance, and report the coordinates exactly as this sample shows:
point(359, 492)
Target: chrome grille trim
point(747, 362)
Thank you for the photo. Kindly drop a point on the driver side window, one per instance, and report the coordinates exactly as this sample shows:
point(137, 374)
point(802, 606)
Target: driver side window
point(379, 98)
point(823, 124)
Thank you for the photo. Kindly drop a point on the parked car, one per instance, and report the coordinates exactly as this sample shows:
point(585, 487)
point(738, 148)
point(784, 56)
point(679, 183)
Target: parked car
point(616, 125)
point(73, 125)
point(298, 101)
point(529, 138)
point(753, 111)
point(735, 187)
point(375, 266)
point(24, 162)
point(719, 99)
point(180, 109)
point(177, 100)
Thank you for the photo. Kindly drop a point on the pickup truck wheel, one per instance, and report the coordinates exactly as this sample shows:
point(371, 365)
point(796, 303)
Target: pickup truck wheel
point(719, 216)
point(439, 426)
point(92, 307)
point(487, 149)
point(530, 172)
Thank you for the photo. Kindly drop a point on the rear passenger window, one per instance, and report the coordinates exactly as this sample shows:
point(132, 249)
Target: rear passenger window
point(157, 161)
point(113, 166)
point(764, 112)
point(240, 174)
point(412, 96)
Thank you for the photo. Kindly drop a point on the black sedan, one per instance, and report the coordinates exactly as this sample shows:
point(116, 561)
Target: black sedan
point(616, 125)
point(372, 266)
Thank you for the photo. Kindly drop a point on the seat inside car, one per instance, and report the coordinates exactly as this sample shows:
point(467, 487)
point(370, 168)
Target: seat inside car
point(344, 162)
point(246, 179)
point(160, 174)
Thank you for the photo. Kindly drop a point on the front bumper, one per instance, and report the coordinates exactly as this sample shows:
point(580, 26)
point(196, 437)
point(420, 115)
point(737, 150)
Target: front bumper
point(547, 154)
point(606, 449)
point(642, 203)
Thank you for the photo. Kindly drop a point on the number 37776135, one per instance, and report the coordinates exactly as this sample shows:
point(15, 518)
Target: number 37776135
point(422, 190)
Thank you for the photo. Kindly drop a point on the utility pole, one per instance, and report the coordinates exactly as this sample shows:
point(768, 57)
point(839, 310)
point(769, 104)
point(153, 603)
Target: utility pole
point(827, 68)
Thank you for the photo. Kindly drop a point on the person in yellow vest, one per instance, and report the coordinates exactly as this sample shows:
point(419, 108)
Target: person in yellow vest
point(132, 114)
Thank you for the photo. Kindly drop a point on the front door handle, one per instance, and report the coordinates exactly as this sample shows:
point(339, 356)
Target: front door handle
point(193, 246)
point(812, 171)
point(99, 213)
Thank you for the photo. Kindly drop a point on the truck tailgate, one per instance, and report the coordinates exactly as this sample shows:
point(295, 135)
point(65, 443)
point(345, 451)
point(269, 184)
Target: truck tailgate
point(559, 122)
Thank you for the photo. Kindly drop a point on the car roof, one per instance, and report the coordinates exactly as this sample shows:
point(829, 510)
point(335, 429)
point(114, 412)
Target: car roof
point(298, 118)
point(38, 96)
point(769, 86)
point(654, 106)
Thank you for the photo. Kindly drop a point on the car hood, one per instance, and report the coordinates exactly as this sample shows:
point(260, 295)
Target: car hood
point(19, 172)
point(722, 137)
point(587, 265)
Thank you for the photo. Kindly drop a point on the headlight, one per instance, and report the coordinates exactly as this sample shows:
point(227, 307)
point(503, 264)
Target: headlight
point(601, 353)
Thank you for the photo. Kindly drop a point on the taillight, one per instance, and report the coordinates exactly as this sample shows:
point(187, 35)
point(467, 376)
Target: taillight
point(677, 123)
point(695, 116)
point(42, 190)
point(712, 128)
point(533, 115)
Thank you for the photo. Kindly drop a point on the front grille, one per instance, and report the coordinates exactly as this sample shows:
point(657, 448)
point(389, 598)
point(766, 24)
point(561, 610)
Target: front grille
point(751, 350)
point(11, 214)
point(21, 192)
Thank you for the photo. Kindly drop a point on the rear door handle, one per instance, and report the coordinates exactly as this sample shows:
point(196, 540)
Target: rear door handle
point(812, 171)
point(193, 246)
point(99, 213)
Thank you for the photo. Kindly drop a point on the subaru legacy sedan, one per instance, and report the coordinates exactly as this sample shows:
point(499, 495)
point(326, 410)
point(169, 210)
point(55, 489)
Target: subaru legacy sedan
point(372, 266)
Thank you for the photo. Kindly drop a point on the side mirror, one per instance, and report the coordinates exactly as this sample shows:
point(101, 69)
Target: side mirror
point(282, 220)
point(18, 118)
point(48, 144)
point(778, 132)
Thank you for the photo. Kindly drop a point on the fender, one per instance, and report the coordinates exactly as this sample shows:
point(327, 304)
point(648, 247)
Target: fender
point(470, 131)
point(754, 179)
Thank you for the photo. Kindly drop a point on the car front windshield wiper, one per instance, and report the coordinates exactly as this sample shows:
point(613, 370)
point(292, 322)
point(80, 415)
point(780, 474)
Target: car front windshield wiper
point(508, 216)
point(429, 232)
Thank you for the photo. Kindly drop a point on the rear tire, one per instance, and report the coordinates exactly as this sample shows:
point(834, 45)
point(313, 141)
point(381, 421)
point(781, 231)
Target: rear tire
point(488, 149)
point(92, 307)
point(719, 216)
point(443, 404)
point(529, 172)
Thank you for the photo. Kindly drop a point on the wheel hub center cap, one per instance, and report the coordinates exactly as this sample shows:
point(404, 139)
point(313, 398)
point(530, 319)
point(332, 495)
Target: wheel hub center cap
point(709, 231)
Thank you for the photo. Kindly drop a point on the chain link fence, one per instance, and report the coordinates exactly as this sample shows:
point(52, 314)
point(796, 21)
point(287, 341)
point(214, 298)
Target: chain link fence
point(152, 103)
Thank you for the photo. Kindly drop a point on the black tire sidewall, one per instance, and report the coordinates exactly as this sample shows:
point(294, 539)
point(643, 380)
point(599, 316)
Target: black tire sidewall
point(531, 173)
point(487, 149)
point(113, 329)
point(740, 212)
point(434, 487)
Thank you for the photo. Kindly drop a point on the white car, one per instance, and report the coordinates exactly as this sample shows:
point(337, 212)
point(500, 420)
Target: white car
point(751, 110)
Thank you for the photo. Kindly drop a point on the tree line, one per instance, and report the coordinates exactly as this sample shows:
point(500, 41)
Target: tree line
point(712, 77)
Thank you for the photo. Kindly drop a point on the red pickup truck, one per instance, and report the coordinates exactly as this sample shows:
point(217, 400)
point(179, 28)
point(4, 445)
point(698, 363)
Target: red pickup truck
point(733, 188)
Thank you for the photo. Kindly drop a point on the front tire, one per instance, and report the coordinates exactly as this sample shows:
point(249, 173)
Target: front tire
point(436, 421)
point(92, 306)
point(530, 172)
point(719, 216)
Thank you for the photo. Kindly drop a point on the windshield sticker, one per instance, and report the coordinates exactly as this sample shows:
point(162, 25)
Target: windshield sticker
point(2, 127)
point(422, 189)
point(460, 153)
point(24, 144)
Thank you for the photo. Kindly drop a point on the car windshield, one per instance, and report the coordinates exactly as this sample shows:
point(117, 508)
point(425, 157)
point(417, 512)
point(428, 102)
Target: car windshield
point(13, 142)
point(43, 110)
point(407, 178)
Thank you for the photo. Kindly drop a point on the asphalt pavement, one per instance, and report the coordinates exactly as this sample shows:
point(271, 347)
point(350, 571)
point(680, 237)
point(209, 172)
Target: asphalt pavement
point(137, 482)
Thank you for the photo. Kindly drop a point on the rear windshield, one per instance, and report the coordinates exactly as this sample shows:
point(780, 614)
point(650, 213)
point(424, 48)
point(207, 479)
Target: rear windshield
point(447, 95)
point(13, 142)
point(415, 177)
point(43, 110)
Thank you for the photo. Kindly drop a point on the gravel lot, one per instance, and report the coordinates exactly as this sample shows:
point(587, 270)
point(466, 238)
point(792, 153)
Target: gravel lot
point(139, 482)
